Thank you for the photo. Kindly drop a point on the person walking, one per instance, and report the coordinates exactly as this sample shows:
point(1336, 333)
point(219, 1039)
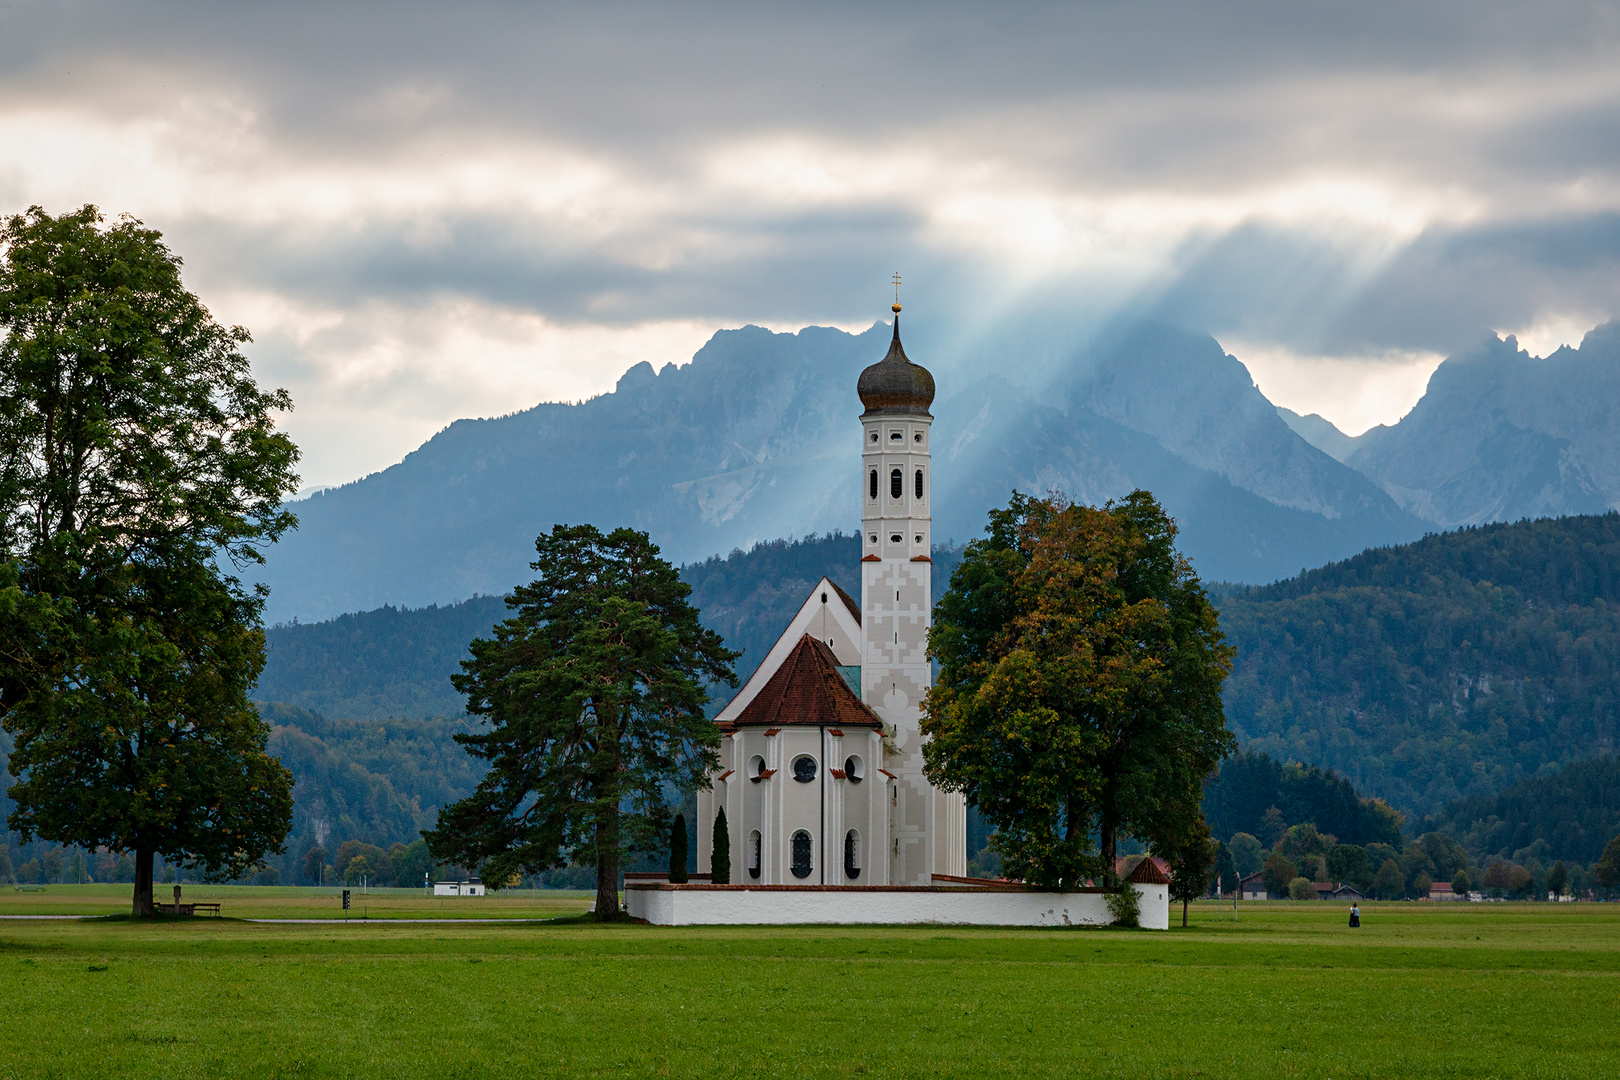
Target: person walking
point(1355, 915)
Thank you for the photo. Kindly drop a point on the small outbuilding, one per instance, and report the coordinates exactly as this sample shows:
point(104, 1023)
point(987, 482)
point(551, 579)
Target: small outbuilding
point(1252, 887)
point(458, 888)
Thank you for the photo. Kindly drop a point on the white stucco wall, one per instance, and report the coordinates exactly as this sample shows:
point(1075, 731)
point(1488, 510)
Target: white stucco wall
point(696, 905)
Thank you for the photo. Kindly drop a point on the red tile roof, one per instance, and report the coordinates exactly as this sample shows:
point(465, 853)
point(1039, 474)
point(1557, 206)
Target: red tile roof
point(849, 601)
point(807, 690)
point(1147, 872)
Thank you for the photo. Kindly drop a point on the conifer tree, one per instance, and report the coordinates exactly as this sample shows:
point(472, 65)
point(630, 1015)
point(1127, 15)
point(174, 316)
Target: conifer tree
point(677, 850)
point(593, 692)
point(720, 855)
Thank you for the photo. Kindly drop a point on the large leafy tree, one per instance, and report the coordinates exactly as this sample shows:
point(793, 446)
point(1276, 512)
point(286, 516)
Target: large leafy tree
point(137, 457)
point(1079, 688)
point(593, 692)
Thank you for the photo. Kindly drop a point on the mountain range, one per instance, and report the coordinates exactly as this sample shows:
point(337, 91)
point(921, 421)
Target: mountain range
point(752, 441)
point(1499, 435)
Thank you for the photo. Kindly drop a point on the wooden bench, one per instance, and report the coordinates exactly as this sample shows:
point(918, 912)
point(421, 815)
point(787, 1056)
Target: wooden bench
point(195, 908)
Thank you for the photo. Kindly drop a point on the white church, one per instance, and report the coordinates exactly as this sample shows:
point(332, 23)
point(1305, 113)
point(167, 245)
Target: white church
point(821, 769)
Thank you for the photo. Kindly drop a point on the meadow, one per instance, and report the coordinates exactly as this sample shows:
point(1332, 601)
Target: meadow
point(1501, 990)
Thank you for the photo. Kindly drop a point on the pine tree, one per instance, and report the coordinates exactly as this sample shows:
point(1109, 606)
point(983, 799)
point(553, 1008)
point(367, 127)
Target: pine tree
point(677, 850)
point(593, 693)
point(720, 858)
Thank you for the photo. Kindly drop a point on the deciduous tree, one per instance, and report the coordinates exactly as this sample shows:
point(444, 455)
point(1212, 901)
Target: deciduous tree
point(1079, 689)
point(593, 692)
point(137, 457)
point(1390, 882)
point(1190, 860)
point(1606, 872)
point(1277, 873)
point(1247, 853)
point(1558, 878)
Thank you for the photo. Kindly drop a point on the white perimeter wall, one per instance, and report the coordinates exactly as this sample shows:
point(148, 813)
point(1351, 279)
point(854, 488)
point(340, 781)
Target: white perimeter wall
point(698, 905)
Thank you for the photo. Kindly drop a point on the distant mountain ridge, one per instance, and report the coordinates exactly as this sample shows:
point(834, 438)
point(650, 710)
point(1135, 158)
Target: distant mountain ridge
point(753, 440)
point(1498, 435)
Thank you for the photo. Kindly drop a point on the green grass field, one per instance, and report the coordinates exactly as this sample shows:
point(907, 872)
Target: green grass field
point(1420, 990)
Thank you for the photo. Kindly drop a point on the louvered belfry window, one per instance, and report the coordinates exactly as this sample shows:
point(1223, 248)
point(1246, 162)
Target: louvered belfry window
point(897, 481)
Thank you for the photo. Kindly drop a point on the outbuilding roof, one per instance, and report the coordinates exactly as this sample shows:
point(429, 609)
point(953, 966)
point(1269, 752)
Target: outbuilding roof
point(807, 690)
point(1147, 872)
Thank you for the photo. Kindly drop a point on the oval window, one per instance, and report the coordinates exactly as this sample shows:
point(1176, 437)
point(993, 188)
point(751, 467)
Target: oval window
point(854, 770)
point(801, 854)
point(753, 854)
point(804, 768)
point(896, 484)
point(896, 436)
point(852, 854)
point(919, 483)
point(756, 768)
point(917, 437)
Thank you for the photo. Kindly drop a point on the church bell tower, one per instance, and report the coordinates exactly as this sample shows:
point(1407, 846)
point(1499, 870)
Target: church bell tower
point(927, 828)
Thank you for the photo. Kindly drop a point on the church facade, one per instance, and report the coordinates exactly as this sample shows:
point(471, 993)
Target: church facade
point(821, 768)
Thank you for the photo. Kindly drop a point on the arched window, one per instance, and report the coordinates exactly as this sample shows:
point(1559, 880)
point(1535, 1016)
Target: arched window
point(753, 854)
point(804, 768)
point(854, 771)
point(919, 483)
point(852, 854)
point(871, 484)
point(801, 854)
point(756, 768)
point(897, 482)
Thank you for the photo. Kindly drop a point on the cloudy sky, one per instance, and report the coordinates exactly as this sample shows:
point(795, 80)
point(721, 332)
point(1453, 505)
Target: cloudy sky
point(428, 212)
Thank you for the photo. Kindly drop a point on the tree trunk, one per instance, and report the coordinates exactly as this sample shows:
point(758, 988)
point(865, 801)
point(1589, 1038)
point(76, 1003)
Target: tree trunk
point(1107, 828)
point(1184, 914)
point(607, 865)
point(141, 906)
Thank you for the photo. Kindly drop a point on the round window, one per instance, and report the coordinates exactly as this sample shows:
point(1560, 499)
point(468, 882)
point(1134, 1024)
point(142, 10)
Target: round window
point(854, 770)
point(804, 768)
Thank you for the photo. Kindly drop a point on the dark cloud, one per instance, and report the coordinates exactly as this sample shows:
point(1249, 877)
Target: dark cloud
point(1325, 177)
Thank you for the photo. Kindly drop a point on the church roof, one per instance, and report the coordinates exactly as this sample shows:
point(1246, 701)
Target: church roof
point(807, 690)
point(894, 384)
point(849, 601)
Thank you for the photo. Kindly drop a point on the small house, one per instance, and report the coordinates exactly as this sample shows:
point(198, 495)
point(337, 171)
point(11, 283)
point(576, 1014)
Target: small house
point(1252, 887)
point(1346, 892)
point(1441, 890)
point(458, 888)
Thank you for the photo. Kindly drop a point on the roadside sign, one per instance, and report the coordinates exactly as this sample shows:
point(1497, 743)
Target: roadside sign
point(345, 899)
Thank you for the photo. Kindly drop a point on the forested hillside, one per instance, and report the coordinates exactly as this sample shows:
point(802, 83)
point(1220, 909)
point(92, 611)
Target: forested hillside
point(1454, 666)
point(377, 664)
point(376, 781)
point(397, 661)
point(1569, 815)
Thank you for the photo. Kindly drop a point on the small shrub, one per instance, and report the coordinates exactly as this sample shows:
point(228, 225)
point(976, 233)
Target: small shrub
point(1301, 889)
point(1125, 905)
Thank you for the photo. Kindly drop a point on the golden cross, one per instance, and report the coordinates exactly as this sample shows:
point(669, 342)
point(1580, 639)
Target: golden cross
point(897, 286)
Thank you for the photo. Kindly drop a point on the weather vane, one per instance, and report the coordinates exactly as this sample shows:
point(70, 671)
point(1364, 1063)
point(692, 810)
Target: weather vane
point(897, 292)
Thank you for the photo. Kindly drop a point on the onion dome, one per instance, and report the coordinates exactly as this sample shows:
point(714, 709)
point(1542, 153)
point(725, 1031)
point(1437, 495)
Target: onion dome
point(894, 384)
